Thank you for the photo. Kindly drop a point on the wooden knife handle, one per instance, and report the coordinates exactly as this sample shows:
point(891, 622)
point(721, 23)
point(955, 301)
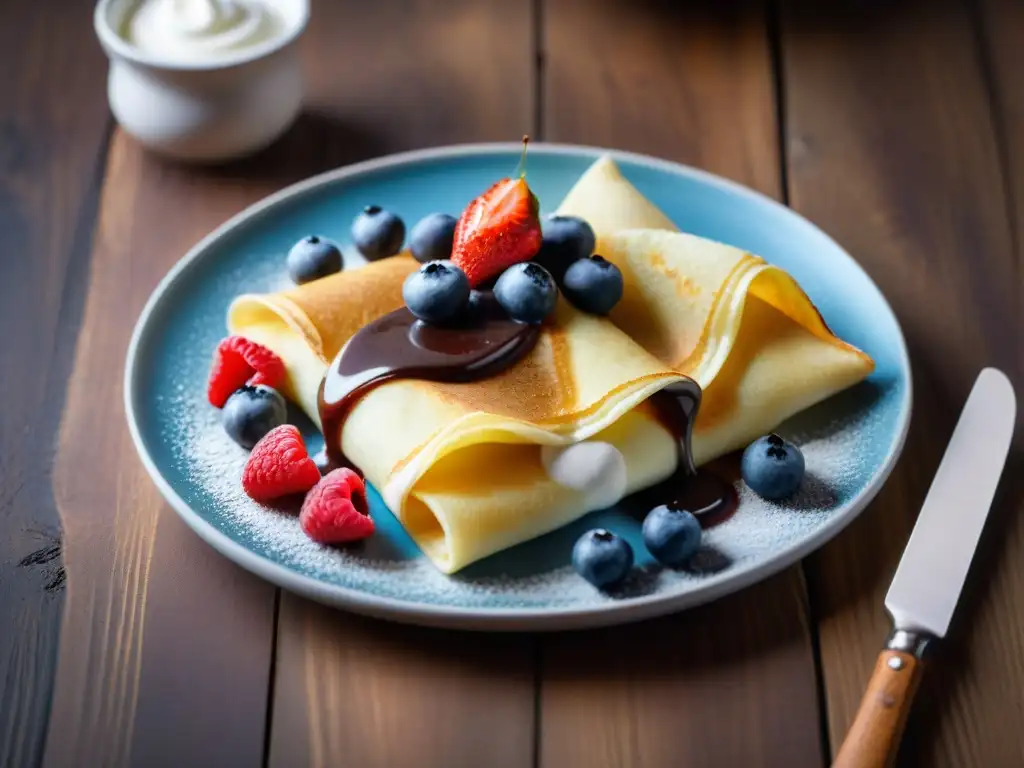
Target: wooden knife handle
point(874, 737)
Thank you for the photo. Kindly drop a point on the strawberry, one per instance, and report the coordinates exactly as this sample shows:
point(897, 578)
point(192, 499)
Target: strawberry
point(238, 362)
point(335, 511)
point(498, 229)
point(279, 465)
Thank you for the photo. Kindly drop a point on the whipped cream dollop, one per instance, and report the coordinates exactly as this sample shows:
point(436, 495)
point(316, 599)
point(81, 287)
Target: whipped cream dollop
point(594, 468)
point(201, 30)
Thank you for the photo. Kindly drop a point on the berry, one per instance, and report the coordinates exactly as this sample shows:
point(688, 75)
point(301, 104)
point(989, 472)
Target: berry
point(772, 467)
point(251, 412)
point(437, 292)
point(475, 306)
point(671, 534)
point(527, 292)
point(602, 558)
point(378, 233)
point(432, 238)
point(237, 362)
point(279, 465)
point(498, 229)
point(335, 511)
point(566, 239)
point(313, 257)
point(593, 285)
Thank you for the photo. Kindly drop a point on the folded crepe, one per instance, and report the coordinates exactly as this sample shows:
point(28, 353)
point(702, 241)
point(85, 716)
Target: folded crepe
point(741, 328)
point(473, 468)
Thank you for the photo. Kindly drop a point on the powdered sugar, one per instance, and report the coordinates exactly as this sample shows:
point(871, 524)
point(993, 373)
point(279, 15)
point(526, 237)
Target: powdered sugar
point(838, 441)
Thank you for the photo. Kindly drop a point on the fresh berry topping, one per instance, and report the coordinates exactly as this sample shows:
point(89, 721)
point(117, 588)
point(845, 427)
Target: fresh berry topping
point(527, 292)
point(432, 238)
point(335, 511)
point(566, 239)
point(313, 257)
point(602, 558)
point(437, 292)
point(378, 233)
point(772, 467)
point(251, 412)
point(672, 535)
point(498, 229)
point(476, 306)
point(279, 466)
point(593, 285)
point(237, 362)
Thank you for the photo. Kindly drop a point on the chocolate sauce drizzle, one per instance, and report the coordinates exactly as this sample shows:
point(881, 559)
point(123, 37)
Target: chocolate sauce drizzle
point(398, 346)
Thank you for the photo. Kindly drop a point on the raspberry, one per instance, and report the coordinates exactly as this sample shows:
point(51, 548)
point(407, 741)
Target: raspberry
point(335, 511)
point(238, 362)
point(279, 465)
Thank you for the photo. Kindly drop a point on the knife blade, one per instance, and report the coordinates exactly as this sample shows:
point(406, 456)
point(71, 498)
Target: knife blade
point(931, 573)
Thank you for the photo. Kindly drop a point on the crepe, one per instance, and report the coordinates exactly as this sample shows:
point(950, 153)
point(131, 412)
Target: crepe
point(741, 328)
point(471, 469)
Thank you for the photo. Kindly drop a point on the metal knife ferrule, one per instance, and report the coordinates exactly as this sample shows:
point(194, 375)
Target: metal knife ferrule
point(917, 644)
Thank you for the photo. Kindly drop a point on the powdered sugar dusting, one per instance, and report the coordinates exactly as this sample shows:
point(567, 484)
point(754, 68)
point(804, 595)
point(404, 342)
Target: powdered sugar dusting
point(838, 461)
point(846, 441)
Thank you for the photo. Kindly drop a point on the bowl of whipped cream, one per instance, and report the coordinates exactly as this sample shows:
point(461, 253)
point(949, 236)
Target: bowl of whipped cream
point(203, 80)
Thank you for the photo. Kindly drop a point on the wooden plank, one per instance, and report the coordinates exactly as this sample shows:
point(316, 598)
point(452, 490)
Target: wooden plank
point(53, 129)
point(351, 691)
point(1002, 27)
point(732, 683)
point(166, 647)
point(372, 694)
point(892, 150)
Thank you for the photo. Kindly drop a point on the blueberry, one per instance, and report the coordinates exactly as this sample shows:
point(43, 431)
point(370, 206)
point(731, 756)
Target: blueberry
point(566, 239)
point(251, 412)
point(772, 467)
point(475, 309)
point(378, 233)
point(593, 285)
point(313, 257)
point(527, 292)
point(432, 237)
point(437, 292)
point(602, 558)
point(672, 535)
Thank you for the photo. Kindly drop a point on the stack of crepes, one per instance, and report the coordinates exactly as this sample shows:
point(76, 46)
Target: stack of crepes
point(471, 469)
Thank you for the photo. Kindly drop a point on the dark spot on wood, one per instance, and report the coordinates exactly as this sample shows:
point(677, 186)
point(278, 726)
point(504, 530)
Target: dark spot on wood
point(57, 581)
point(41, 556)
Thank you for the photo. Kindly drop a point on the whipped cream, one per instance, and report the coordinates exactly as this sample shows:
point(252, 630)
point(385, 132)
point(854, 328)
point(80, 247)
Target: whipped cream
point(593, 467)
point(198, 31)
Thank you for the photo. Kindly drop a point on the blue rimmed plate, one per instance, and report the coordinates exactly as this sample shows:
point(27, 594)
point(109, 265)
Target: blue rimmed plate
point(850, 442)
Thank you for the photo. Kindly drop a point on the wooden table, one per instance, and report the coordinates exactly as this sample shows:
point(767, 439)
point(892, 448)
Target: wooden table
point(898, 127)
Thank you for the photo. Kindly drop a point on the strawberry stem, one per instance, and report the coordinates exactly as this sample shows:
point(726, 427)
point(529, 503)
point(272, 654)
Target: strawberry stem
point(521, 168)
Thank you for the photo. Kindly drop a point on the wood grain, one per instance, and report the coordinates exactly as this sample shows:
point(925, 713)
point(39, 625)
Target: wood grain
point(372, 694)
point(351, 691)
point(874, 737)
point(53, 130)
point(892, 150)
point(166, 647)
point(732, 683)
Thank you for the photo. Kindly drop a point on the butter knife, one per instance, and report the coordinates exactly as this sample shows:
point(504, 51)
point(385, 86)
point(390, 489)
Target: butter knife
point(931, 573)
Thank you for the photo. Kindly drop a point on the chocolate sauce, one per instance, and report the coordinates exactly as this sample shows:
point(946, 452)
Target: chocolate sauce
point(398, 346)
point(711, 498)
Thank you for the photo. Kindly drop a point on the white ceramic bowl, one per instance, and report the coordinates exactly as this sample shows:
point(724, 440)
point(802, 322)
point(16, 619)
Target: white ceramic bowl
point(210, 110)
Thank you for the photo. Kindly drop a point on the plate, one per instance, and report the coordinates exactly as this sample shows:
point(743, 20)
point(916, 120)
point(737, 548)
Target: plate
point(851, 441)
